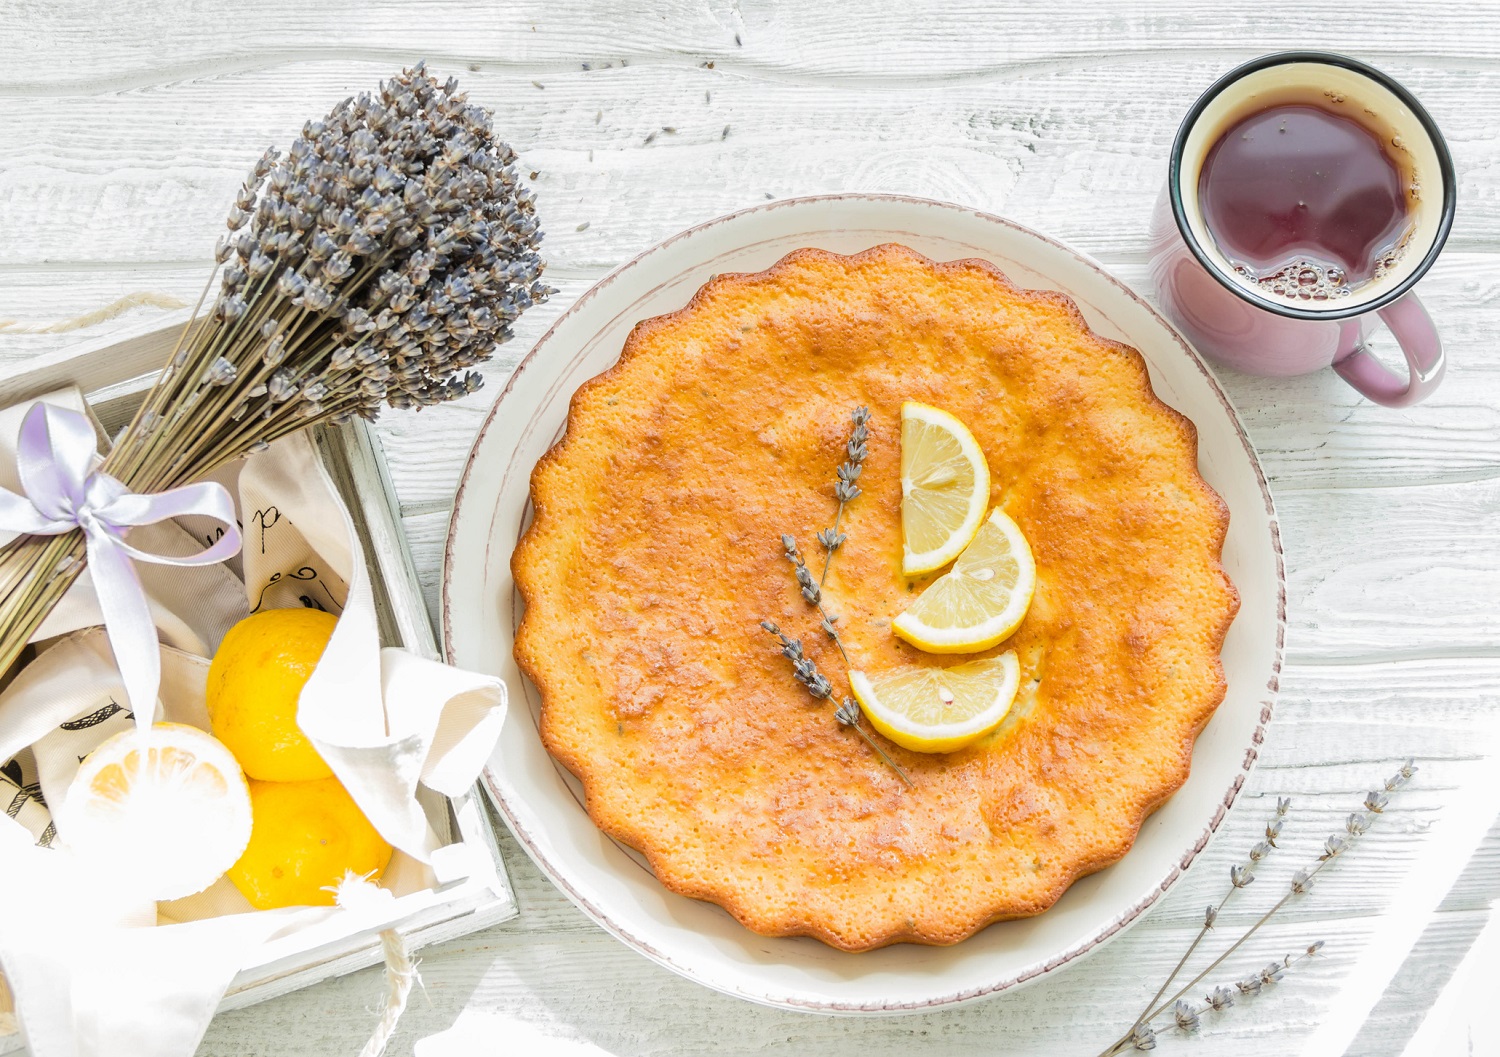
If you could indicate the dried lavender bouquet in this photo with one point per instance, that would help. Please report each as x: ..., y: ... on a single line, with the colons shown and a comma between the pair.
x: 385, y: 253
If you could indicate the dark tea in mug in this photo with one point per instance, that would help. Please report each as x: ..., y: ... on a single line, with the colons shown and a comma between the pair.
x: 1307, y: 194
x: 1310, y: 200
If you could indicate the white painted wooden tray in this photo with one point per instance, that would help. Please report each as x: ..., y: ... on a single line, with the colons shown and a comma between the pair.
x: 542, y: 803
x: 474, y: 891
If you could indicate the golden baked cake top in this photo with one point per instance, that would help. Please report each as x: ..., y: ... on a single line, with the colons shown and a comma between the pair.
x: 655, y: 551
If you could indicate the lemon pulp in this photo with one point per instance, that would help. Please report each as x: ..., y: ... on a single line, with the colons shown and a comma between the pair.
x: 161, y: 812
x: 982, y: 600
x: 939, y: 709
x: 945, y: 487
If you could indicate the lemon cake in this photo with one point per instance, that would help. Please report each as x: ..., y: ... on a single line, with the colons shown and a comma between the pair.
x: 655, y: 551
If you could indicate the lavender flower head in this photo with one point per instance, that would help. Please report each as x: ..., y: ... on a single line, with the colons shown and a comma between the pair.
x: 805, y: 582
x: 1272, y: 973
x: 1185, y: 1016
x: 803, y: 668
x: 1219, y: 999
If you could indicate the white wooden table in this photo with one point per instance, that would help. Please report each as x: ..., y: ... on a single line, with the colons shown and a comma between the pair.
x: 125, y: 126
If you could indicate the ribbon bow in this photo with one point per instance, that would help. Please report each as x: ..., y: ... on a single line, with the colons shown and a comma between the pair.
x: 57, y: 461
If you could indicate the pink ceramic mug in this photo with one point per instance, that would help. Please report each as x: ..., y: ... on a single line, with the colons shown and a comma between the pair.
x: 1233, y: 319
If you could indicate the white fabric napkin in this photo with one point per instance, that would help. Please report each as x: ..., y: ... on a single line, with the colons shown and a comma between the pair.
x: 95, y: 978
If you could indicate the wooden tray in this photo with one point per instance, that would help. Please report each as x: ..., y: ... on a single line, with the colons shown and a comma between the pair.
x: 474, y: 891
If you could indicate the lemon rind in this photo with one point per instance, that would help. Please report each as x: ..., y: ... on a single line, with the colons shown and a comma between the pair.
x: 912, y: 632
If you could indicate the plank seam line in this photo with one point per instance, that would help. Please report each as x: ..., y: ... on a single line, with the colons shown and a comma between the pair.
x: 1414, y: 655
x: 217, y: 67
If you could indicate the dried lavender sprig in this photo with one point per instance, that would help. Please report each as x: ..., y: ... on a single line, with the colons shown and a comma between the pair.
x: 845, y: 489
x: 806, y: 673
x: 1375, y: 803
x: 803, y: 669
x: 812, y: 593
x: 1239, y: 877
x: 1218, y: 1000
x: 1186, y: 1016
x: 848, y: 715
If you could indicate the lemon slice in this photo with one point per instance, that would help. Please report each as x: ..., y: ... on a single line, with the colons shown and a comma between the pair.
x: 161, y: 813
x: 981, y: 600
x: 945, y: 487
x: 939, y: 709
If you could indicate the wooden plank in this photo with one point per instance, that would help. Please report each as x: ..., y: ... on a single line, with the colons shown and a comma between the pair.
x: 558, y: 989
x: 1032, y: 148
x: 92, y: 47
x: 1392, y: 571
x: 1311, y: 433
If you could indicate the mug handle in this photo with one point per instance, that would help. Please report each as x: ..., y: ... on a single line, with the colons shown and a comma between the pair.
x: 1413, y: 330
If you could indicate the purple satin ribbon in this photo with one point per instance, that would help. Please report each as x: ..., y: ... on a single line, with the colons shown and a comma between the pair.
x: 58, y: 464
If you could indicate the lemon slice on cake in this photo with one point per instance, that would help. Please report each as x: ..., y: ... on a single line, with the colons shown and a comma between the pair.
x: 939, y: 709
x: 161, y: 813
x: 981, y: 600
x: 945, y: 487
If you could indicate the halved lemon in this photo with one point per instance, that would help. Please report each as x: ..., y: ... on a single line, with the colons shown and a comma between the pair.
x: 939, y: 709
x: 945, y: 487
x: 981, y: 600
x: 161, y: 813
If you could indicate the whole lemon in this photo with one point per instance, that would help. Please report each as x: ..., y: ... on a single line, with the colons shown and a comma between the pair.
x: 304, y: 837
x: 253, y: 686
